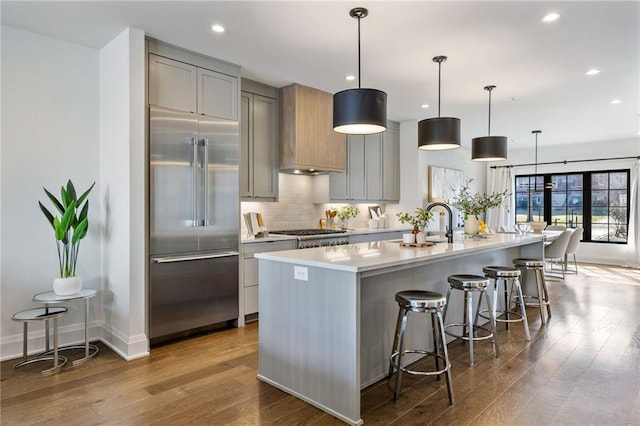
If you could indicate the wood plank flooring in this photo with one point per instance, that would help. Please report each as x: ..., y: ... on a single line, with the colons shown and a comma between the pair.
x: 583, y: 368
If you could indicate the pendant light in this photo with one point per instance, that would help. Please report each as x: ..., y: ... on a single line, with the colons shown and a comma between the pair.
x: 439, y: 133
x: 359, y: 111
x: 489, y: 148
x: 548, y: 185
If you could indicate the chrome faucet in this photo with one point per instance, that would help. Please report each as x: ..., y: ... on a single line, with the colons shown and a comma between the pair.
x: 449, y: 232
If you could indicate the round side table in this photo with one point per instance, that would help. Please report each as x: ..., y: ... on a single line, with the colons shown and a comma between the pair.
x: 41, y: 314
x: 51, y: 298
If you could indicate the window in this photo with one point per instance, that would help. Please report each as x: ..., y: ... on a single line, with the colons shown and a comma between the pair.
x: 596, y: 201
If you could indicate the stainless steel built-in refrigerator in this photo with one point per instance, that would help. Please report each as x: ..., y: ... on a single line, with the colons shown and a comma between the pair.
x: 193, y: 271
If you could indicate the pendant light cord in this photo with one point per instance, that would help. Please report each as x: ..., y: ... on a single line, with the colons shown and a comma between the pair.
x: 359, y: 76
x: 439, y: 83
x: 489, y: 129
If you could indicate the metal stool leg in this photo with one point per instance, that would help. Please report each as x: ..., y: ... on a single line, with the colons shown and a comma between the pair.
x: 523, y: 311
x: 546, y: 294
x: 492, y: 320
x: 469, y: 314
x: 395, y: 341
x: 400, y: 353
x: 443, y: 341
x: 436, y: 346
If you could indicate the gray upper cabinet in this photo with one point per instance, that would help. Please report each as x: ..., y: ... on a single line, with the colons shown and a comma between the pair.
x: 373, y: 168
x: 172, y: 84
x: 184, y: 87
x: 214, y: 92
x: 259, y: 143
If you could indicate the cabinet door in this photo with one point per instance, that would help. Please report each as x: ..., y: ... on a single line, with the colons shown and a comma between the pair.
x: 246, y: 151
x: 373, y: 166
x: 391, y: 164
x: 357, y: 184
x: 265, y: 147
x: 172, y: 84
x: 217, y: 94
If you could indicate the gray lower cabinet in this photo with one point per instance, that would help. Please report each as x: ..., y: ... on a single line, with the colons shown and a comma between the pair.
x: 259, y: 147
x: 373, y: 168
x: 185, y: 87
x: 250, y: 280
x: 374, y: 236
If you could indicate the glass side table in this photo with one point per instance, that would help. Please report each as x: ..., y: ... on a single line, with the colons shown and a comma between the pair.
x: 51, y: 298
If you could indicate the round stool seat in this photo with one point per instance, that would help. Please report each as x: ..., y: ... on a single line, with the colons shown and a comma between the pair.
x: 468, y: 282
x: 529, y: 263
x: 501, y: 272
x: 420, y: 299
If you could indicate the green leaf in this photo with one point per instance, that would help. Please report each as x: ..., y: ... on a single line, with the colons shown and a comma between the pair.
x: 84, y: 212
x: 69, y: 216
x: 84, y: 195
x: 71, y: 190
x: 55, y: 201
x: 66, y: 200
x: 58, y: 228
x: 80, y: 232
x: 46, y: 213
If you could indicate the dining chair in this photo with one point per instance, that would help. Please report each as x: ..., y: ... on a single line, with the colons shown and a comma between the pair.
x: 554, y: 252
x: 572, y: 247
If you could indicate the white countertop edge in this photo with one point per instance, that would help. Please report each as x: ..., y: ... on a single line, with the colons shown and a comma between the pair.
x: 291, y: 256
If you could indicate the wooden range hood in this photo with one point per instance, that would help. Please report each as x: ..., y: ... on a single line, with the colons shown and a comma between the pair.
x: 307, y: 142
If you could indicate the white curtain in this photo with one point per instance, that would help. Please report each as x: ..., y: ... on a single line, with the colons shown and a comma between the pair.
x: 633, y: 229
x: 499, y: 181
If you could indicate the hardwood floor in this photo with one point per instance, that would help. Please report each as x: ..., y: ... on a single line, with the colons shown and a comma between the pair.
x: 583, y: 368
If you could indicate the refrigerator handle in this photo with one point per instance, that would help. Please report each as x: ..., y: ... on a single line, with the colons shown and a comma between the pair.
x: 194, y: 144
x: 174, y: 259
x: 205, y: 192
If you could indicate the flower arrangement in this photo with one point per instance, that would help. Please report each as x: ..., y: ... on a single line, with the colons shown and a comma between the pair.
x: 419, y: 220
x: 70, y: 227
x: 347, y: 212
x: 474, y: 204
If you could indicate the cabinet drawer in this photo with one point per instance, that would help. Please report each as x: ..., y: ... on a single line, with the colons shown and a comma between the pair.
x: 249, y: 249
x: 250, y: 272
x: 251, y: 300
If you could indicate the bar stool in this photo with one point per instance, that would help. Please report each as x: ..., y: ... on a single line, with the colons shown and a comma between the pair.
x: 471, y: 284
x: 542, y: 299
x: 41, y: 314
x: 507, y: 275
x: 420, y: 302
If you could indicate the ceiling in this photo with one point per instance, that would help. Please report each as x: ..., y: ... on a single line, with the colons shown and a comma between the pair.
x: 539, y: 69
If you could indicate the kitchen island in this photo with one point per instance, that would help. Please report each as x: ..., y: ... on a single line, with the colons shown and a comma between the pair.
x: 327, y: 315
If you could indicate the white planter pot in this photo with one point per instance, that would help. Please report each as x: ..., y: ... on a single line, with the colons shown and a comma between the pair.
x: 67, y: 286
x: 471, y: 225
x: 421, y: 237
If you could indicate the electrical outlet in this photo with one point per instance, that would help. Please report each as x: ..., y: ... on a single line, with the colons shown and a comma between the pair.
x: 300, y: 273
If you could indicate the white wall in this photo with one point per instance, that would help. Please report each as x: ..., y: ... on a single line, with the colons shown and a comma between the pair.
x: 614, y: 254
x: 50, y: 133
x: 122, y: 190
x: 414, y: 165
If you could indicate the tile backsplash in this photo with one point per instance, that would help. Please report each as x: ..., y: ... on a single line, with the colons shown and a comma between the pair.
x: 298, y: 206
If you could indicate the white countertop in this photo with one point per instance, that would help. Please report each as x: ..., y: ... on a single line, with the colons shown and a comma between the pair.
x: 383, y: 254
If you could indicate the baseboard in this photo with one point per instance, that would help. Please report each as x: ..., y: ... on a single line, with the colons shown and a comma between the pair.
x: 128, y: 348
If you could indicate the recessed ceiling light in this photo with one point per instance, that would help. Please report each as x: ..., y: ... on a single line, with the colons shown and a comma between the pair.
x: 593, y: 71
x: 424, y: 106
x: 550, y: 17
x: 350, y: 77
x: 616, y: 101
x: 217, y: 28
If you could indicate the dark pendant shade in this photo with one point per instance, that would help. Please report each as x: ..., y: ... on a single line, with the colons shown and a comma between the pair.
x: 489, y: 148
x: 439, y: 133
x: 360, y: 111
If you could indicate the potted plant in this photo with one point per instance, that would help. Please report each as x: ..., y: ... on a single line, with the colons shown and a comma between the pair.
x: 472, y: 205
x: 420, y: 219
x: 69, y: 228
x: 346, y: 213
